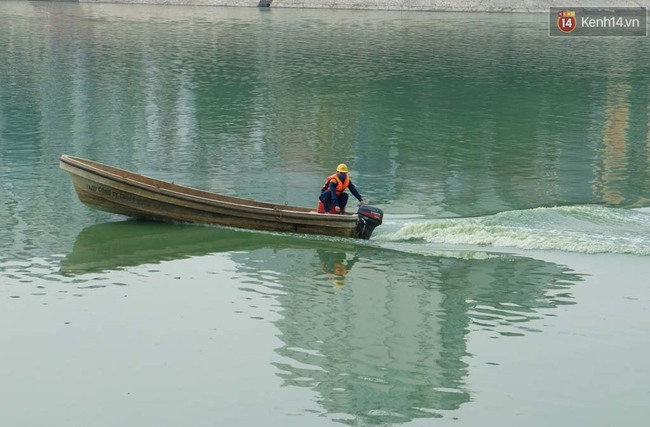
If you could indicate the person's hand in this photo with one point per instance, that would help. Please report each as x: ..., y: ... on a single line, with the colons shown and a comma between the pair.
x: 362, y: 203
x: 337, y: 209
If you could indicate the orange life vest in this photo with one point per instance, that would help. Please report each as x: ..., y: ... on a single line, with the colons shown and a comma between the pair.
x: 340, y: 185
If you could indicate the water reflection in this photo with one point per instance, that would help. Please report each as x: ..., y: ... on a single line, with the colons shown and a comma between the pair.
x: 614, y: 153
x: 241, y: 102
x: 336, y: 264
x: 390, y: 345
x: 117, y: 245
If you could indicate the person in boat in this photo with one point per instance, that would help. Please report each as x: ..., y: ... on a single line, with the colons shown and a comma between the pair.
x: 333, y: 197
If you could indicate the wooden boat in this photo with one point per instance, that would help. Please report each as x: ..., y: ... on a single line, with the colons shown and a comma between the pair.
x: 122, y: 192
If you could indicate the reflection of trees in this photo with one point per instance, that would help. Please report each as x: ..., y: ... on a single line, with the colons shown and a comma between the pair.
x: 389, y: 347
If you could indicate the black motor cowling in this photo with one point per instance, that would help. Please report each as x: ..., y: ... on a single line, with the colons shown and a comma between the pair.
x: 369, y: 218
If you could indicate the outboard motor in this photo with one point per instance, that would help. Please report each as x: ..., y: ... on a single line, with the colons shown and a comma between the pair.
x: 369, y: 218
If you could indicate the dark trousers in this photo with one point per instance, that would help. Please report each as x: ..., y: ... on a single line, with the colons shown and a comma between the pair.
x: 326, y: 198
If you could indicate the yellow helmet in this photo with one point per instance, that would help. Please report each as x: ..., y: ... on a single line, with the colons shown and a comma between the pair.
x: 342, y: 168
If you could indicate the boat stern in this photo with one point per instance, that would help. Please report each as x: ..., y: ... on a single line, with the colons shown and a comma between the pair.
x: 369, y: 217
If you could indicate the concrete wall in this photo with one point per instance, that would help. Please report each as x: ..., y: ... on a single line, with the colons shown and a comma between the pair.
x: 234, y: 3
x: 414, y: 5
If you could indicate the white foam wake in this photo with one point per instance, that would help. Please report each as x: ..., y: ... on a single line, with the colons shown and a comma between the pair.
x: 585, y: 229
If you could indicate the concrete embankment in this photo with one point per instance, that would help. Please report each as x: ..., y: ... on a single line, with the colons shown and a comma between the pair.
x: 412, y: 5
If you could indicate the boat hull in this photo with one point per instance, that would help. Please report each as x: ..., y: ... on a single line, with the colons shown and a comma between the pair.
x: 121, y: 192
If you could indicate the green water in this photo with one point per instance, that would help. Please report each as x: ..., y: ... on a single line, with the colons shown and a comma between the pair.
x: 507, y: 286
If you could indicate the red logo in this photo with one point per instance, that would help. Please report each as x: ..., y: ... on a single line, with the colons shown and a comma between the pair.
x: 566, y: 20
